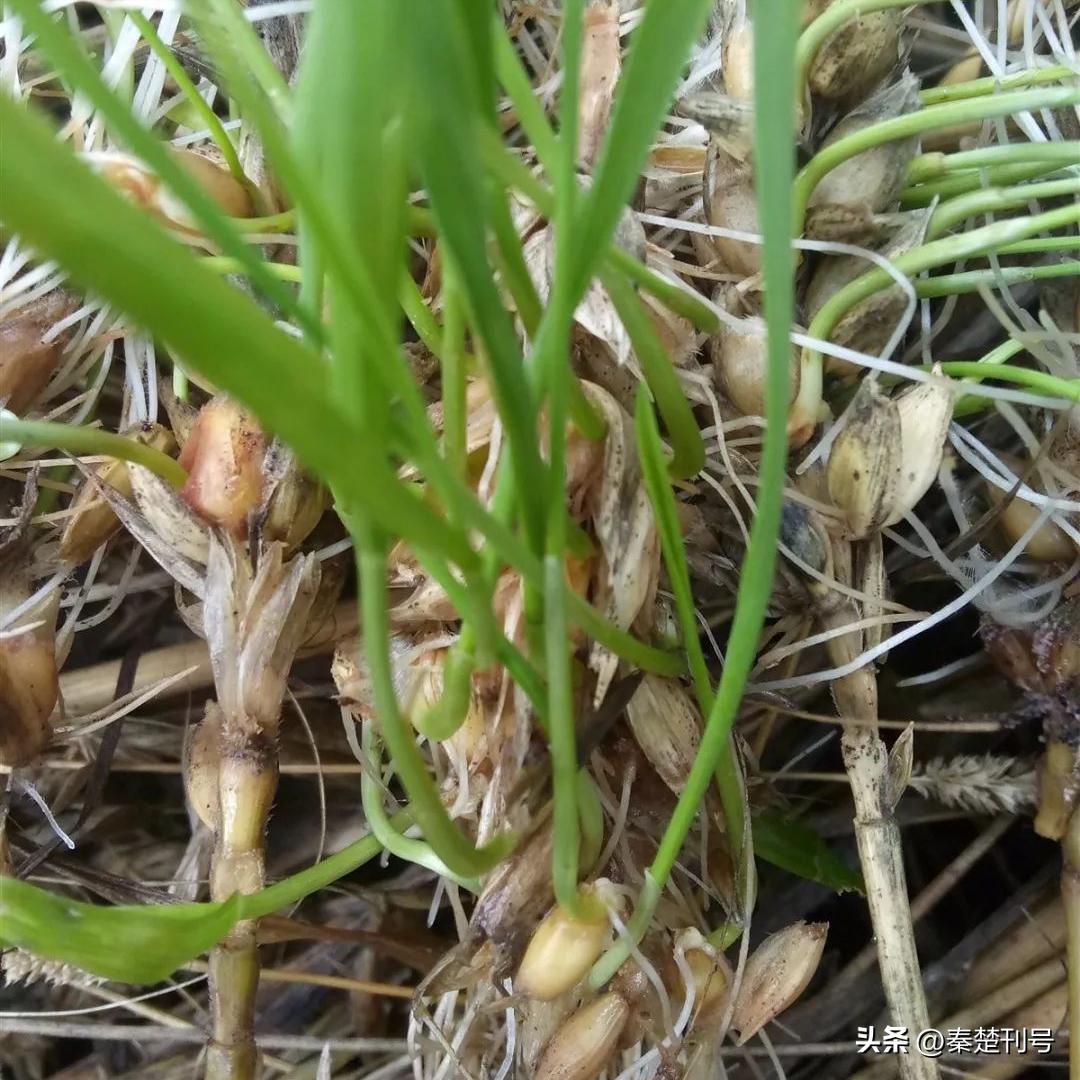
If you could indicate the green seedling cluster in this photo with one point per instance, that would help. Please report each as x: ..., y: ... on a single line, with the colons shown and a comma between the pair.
x: 384, y: 90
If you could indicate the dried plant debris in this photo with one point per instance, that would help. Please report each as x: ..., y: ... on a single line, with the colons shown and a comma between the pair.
x: 383, y: 485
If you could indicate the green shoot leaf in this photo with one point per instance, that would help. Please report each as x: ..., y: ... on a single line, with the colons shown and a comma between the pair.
x: 796, y: 848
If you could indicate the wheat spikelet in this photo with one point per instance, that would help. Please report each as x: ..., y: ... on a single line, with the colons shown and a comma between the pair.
x: 985, y: 783
x: 20, y: 966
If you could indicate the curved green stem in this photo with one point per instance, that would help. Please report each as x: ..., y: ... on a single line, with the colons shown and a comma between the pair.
x: 994, y: 84
x: 446, y: 840
x: 654, y: 473
x: 292, y: 890
x: 1040, y: 381
x: 676, y: 298
x: 622, y: 644
x: 902, y: 127
x: 688, y: 458
x: 933, y: 166
x: 970, y: 404
x: 371, y: 796
x: 975, y: 180
x: 285, y: 222
x: 226, y: 264
x: 970, y: 280
x: 88, y: 440
x: 444, y: 718
x: 419, y: 314
x: 993, y: 200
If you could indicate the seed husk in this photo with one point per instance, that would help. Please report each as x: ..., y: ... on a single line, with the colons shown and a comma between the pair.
x: 182, y: 415
x: 711, y: 976
x: 293, y: 501
x: 730, y: 202
x: 869, y: 325
x: 518, y: 892
x: 93, y: 521
x: 26, y: 361
x: 778, y: 971
x: 202, y: 767
x: 1050, y: 543
x: 601, y: 62
x: 1016, y: 15
x: 168, y: 515
x: 864, y: 465
x: 29, y: 683
x: 738, y: 66
x: 844, y: 203
x: 224, y: 460
x: 582, y: 1046
x: 1042, y: 659
x: 667, y: 728
x: 857, y: 56
x: 230, y: 195
x: 925, y: 414
x: 963, y: 70
x: 129, y: 175
x: 738, y: 355
x: 562, y: 949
